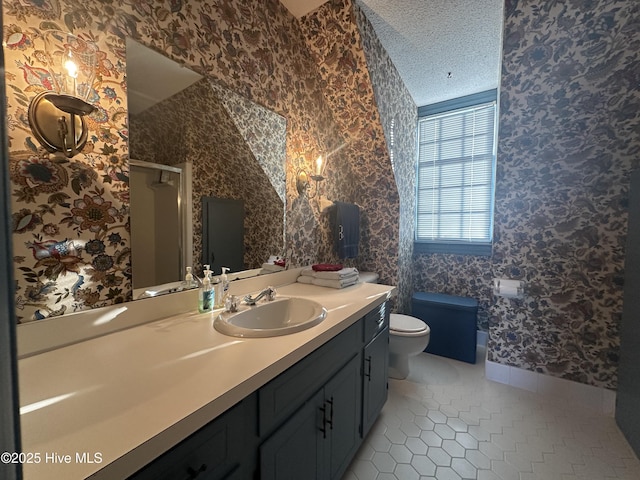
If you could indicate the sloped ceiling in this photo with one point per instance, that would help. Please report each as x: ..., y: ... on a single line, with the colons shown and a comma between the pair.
x: 443, y: 49
x: 150, y: 65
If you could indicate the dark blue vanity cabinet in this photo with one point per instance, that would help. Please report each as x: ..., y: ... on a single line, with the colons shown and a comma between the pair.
x: 321, y: 437
x: 220, y: 450
x: 340, y: 389
x: 375, y: 368
x: 313, y: 410
x: 307, y: 423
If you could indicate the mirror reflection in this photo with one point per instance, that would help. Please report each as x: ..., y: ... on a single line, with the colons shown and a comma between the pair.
x: 158, y: 225
x: 71, y: 217
x: 231, y: 153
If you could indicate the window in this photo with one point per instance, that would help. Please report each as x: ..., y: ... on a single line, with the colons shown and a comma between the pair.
x: 456, y: 176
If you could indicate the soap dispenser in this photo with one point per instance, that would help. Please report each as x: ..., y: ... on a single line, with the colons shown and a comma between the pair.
x: 206, y: 294
x: 188, y: 279
x: 224, y: 285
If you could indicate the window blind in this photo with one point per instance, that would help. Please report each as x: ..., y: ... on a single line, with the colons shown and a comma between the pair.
x: 456, y: 171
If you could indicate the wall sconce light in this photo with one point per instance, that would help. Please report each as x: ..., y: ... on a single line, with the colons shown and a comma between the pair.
x: 303, y: 183
x: 56, y: 116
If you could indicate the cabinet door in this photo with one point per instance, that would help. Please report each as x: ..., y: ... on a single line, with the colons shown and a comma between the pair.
x: 342, y: 405
x: 295, y: 451
x: 215, y: 452
x: 375, y: 371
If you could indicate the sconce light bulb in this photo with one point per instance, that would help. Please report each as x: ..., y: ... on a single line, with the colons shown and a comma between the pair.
x: 319, y: 165
x: 71, y: 68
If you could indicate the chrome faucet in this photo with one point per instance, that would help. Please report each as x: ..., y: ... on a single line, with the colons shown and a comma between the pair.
x: 268, y: 292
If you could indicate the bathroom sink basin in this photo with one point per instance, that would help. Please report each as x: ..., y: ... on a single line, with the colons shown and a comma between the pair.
x: 270, y: 319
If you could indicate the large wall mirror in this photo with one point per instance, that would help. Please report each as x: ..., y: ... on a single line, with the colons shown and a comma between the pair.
x: 230, y: 151
x: 190, y: 143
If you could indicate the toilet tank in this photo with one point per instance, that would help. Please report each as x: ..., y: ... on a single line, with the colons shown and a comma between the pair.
x: 453, y: 324
x: 368, y: 277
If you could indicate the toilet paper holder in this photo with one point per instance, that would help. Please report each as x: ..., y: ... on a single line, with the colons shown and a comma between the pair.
x: 504, y: 287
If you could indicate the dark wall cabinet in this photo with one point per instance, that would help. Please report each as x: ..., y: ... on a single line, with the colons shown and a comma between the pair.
x: 307, y: 423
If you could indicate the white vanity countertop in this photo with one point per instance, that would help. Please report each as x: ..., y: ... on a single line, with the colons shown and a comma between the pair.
x: 123, y: 399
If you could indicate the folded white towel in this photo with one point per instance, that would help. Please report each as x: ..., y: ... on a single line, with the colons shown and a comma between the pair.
x: 348, y: 272
x: 322, y: 282
x: 335, y: 283
x: 338, y: 274
x: 308, y: 272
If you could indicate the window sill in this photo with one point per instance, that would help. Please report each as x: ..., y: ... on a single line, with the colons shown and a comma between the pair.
x: 479, y: 249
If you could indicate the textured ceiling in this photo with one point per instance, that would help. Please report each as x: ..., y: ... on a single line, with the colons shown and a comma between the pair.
x: 427, y: 39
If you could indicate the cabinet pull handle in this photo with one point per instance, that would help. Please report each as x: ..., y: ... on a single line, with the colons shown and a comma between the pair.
x: 326, y: 420
x: 323, y: 408
x: 196, y: 473
x: 368, y: 374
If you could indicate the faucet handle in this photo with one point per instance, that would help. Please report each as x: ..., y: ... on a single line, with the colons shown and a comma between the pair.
x: 231, y: 304
x: 271, y: 294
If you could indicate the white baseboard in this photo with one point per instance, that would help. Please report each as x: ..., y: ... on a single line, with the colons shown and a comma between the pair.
x: 601, y: 400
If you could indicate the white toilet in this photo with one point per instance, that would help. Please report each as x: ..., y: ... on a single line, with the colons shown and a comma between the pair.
x: 407, y: 336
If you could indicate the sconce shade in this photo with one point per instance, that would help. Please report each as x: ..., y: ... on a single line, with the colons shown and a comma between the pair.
x: 73, y: 63
x: 55, y: 116
x: 318, y: 171
x: 303, y: 184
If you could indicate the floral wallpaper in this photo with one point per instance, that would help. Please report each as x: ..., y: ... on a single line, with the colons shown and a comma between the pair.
x: 200, y: 125
x: 336, y: 43
x: 569, y: 135
x: 569, y: 138
x: 265, y: 133
x: 70, y: 216
x: 399, y: 118
x: 255, y: 48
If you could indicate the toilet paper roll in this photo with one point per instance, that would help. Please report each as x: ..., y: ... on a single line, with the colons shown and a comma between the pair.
x: 504, y: 287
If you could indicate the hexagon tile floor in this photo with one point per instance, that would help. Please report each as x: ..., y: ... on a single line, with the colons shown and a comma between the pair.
x: 447, y: 422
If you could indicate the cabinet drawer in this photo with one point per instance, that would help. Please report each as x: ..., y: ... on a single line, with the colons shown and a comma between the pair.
x: 213, y: 452
x: 375, y: 321
x: 278, y: 399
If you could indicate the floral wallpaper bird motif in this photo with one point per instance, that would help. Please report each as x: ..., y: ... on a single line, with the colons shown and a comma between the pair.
x: 70, y: 245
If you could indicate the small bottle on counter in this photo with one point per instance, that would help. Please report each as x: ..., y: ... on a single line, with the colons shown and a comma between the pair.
x: 188, y: 279
x: 223, y: 288
x: 206, y: 294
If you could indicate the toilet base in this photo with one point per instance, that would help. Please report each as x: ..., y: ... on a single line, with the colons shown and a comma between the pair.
x: 398, y: 366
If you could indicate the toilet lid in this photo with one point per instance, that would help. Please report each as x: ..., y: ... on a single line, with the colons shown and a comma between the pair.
x: 407, y: 324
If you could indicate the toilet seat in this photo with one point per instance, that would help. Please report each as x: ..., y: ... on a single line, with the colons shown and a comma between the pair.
x: 407, y: 326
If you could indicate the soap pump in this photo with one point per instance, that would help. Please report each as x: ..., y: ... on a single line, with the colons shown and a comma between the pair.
x: 206, y: 294
x: 224, y: 283
x: 188, y: 278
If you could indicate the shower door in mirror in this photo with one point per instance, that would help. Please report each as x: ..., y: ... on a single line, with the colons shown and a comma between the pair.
x: 157, y: 222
